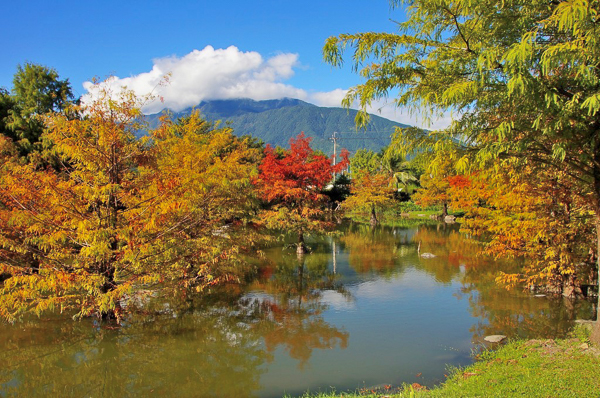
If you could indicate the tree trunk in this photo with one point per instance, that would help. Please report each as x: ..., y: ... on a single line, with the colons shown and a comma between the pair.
x: 301, y: 247
x: 109, y: 284
x: 300, y: 285
x: 373, y: 216
x: 595, y: 337
x: 444, y: 210
x: 107, y: 269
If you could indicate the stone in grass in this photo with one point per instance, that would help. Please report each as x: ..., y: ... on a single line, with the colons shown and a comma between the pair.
x: 495, y: 338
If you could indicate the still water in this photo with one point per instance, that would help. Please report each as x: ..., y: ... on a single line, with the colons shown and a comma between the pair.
x: 362, y: 310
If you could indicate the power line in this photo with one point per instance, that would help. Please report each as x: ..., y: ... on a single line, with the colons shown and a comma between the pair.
x: 356, y: 136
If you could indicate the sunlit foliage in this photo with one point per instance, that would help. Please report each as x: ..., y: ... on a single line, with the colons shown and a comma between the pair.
x: 527, y: 214
x: 435, y: 182
x: 370, y: 193
x: 292, y: 184
x: 521, y: 79
x: 121, y: 213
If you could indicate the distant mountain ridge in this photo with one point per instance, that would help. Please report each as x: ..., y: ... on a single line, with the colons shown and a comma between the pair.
x: 276, y: 121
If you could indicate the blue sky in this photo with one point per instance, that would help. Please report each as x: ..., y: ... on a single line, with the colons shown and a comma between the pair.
x: 217, y: 49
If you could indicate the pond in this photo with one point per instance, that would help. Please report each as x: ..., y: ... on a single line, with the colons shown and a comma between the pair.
x: 364, y: 309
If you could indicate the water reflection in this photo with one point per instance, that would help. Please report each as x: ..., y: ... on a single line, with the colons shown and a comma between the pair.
x: 295, y: 287
x: 179, y: 346
x: 497, y: 311
x: 184, y: 354
x: 379, y: 250
x: 362, y: 309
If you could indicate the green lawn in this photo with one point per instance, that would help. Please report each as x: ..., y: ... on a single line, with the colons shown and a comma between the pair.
x: 535, y: 368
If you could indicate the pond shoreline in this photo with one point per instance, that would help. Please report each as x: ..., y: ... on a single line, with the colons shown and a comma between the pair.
x: 363, y: 309
x: 547, y: 367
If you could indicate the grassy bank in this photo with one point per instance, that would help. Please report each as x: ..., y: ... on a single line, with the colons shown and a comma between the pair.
x: 534, y: 368
x: 401, y: 212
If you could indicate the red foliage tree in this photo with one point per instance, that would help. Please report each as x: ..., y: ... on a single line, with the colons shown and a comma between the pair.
x: 292, y: 184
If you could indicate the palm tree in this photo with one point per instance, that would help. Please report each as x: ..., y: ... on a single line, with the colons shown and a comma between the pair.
x: 403, y: 178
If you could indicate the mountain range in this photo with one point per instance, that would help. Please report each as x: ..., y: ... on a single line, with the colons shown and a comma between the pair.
x: 276, y: 121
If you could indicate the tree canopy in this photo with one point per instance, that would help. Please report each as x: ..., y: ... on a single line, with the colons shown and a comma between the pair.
x: 121, y: 213
x: 292, y: 183
x: 37, y: 90
x: 520, y: 77
x: 371, y: 192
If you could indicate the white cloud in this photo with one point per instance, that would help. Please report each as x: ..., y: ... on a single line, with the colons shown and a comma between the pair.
x: 337, y: 301
x: 210, y: 74
x: 328, y: 99
x: 402, y: 115
x: 382, y: 108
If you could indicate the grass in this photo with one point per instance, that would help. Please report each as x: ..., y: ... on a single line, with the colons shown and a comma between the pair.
x: 534, y: 368
x: 403, y: 214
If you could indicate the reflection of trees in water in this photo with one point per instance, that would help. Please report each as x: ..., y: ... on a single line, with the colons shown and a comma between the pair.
x: 176, y: 354
x: 302, y: 330
x: 300, y: 278
x: 451, y: 249
x: 184, y: 346
x: 517, y: 313
x: 294, y: 301
x: 218, y: 345
x: 513, y: 313
x: 376, y: 249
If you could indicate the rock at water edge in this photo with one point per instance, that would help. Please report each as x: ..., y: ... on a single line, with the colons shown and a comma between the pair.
x: 495, y: 338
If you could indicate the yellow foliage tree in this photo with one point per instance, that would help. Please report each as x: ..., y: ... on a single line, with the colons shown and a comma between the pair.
x: 434, y: 182
x: 538, y: 217
x: 122, y: 213
x: 370, y: 192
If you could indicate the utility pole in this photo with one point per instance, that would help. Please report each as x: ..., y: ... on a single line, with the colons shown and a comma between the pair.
x: 334, y: 138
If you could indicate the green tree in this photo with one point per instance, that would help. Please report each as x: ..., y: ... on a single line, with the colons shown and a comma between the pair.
x: 365, y: 161
x: 404, y: 180
x: 521, y: 77
x: 7, y: 104
x: 338, y: 191
x: 389, y: 162
x: 37, y: 90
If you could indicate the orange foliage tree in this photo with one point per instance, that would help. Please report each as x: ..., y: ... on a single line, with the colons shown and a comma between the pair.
x: 122, y: 213
x: 292, y: 185
x: 529, y: 214
x: 371, y: 192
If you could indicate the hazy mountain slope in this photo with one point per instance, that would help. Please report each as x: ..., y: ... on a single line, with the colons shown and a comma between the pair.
x: 276, y: 121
